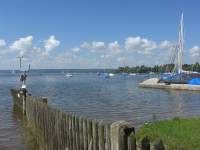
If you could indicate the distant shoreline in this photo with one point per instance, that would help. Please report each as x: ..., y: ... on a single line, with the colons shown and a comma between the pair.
x: 157, y: 68
x: 127, y: 69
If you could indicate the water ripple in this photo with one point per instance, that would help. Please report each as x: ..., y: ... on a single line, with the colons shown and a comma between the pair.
x: 86, y: 94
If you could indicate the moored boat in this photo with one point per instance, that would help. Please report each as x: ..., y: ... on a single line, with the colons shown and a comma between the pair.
x: 177, y: 78
x: 69, y: 75
x: 111, y: 74
x: 132, y: 74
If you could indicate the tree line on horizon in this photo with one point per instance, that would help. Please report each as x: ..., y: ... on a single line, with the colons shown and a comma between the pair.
x: 157, y: 68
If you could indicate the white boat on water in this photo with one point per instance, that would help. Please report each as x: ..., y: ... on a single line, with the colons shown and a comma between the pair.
x: 69, y: 75
x: 132, y: 74
x: 111, y: 74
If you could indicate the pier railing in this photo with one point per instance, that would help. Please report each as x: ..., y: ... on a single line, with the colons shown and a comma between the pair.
x: 54, y: 129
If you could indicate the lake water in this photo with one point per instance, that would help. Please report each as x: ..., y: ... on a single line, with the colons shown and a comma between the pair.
x: 117, y: 98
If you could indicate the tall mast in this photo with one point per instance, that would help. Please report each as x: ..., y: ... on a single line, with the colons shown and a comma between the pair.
x: 181, y: 45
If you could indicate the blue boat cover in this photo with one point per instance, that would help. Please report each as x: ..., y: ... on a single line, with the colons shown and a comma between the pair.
x: 194, y: 81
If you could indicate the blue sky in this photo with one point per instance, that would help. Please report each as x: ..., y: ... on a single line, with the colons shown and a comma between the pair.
x: 95, y: 33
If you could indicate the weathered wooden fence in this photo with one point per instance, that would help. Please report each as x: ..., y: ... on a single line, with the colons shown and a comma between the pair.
x: 58, y: 130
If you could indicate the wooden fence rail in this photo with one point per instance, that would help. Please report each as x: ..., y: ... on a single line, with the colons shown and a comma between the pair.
x: 54, y: 129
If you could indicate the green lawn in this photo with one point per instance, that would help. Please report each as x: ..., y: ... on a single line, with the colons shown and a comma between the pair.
x: 176, y: 133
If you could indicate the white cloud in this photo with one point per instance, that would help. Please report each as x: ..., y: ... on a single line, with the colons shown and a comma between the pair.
x: 148, y: 44
x: 65, y: 60
x: 51, y: 43
x: 93, y: 46
x: 195, y: 51
x: 3, y: 49
x: 133, y: 51
x: 114, y: 47
x: 45, y: 53
x: 75, y: 49
x: 37, y: 49
x: 22, y: 45
x: 140, y: 45
x: 165, y: 45
x: 120, y: 59
x: 106, y: 50
x: 2, y: 43
x: 111, y: 50
x: 132, y: 42
x: 105, y: 56
x: 85, y: 45
x: 98, y: 45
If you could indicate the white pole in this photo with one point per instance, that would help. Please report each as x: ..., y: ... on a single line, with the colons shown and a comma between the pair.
x: 181, y: 46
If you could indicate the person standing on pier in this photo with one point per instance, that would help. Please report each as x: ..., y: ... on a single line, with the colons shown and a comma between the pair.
x: 23, y: 78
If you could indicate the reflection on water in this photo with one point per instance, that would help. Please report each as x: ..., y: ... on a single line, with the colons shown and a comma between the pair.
x: 10, y: 135
x: 118, y: 98
x: 26, y: 132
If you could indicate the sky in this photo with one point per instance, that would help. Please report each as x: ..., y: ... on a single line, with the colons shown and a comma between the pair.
x: 96, y: 33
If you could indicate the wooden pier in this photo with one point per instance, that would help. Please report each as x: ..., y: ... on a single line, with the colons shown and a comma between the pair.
x: 54, y: 129
x: 153, y: 83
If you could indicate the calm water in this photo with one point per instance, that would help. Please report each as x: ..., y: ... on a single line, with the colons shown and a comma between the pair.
x: 118, y: 98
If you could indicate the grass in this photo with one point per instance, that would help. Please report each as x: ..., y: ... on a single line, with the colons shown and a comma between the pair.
x: 175, y: 134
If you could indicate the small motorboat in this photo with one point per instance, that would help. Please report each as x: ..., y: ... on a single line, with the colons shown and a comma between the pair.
x: 111, y: 74
x: 104, y: 75
x: 68, y: 75
x: 132, y: 74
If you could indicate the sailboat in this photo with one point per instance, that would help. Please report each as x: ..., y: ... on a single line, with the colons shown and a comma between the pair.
x: 180, y: 76
x: 177, y: 78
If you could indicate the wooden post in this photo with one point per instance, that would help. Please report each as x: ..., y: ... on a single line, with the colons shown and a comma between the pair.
x: 159, y: 145
x: 90, y: 145
x: 81, y: 133
x: 94, y: 135
x: 24, y: 101
x: 44, y: 100
x: 132, y: 142
x: 67, y: 129
x: 85, y: 138
x: 77, y: 132
x: 101, y: 136
x: 107, y: 140
x: 119, y: 134
x: 70, y: 132
x: 89, y: 132
x: 73, y: 133
x: 145, y: 144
